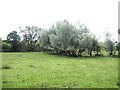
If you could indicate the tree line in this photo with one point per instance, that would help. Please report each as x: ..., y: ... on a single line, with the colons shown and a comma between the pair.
x: 62, y: 38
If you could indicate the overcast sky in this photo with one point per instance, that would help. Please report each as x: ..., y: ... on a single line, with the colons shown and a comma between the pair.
x: 98, y: 15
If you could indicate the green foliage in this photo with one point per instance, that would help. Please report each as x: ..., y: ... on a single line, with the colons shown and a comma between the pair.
x: 109, y: 44
x: 118, y: 46
x: 66, y: 39
x: 13, y: 38
x: 23, y: 47
x: 62, y: 38
x: 6, y: 46
x: 44, y: 40
x: 30, y: 36
x: 118, y: 49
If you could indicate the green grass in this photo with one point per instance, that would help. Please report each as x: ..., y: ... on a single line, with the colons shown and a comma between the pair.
x: 40, y: 70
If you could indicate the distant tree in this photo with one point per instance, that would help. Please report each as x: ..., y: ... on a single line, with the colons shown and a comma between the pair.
x: 60, y: 37
x: 44, y: 40
x: 109, y: 43
x: 98, y: 48
x: 31, y: 36
x: 78, y: 40
x: 6, y: 47
x: 13, y: 38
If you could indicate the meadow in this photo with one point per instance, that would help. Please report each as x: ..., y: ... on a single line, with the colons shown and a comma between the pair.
x: 42, y: 70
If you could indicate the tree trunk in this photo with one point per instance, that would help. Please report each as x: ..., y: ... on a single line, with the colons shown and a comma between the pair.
x: 111, y: 53
x: 91, y: 53
x: 97, y: 52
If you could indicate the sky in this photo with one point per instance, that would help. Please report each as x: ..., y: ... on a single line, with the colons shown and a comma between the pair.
x: 99, y: 16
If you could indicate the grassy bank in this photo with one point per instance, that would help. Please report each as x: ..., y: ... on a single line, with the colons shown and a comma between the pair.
x: 37, y: 70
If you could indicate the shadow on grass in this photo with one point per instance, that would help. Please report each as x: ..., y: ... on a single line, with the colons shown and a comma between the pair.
x: 6, y: 67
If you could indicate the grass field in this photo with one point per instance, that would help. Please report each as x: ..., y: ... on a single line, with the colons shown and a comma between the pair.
x: 39, y: 70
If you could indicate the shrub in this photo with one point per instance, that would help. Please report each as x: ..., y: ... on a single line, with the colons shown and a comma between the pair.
x: 6, y: 46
